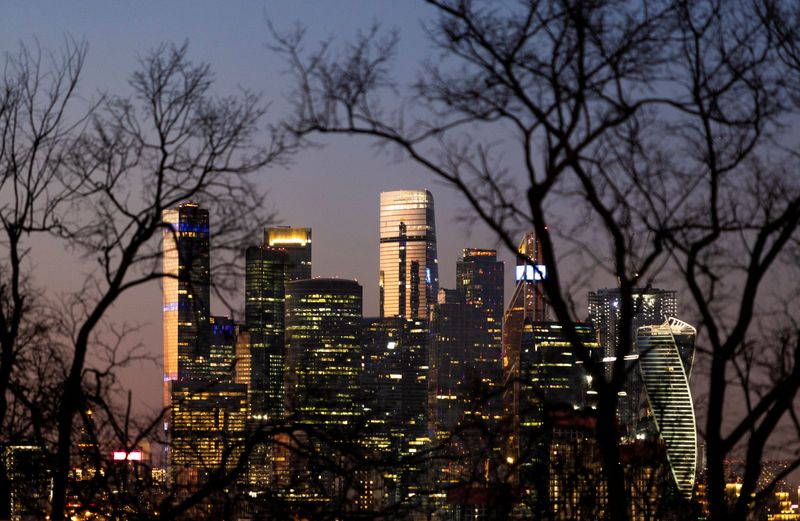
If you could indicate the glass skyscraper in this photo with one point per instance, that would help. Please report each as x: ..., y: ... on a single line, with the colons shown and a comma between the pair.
x: 665, y: 356
x: 323, y: 350
x: 186, y: 293
x: 409, y: 274
x: 266, y: 274
x: 296, y: 242
x: 480, y: 279
x: 527, y: 306
x: 323, y: 399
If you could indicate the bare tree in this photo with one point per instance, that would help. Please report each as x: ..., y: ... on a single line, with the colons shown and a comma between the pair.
x: 95, y: 179
x: 38, y: 91
x: 645, y: 136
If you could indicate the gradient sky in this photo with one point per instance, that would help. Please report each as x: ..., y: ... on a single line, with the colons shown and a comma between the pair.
x: 334, y: 190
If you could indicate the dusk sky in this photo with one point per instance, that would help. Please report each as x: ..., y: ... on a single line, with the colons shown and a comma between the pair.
x: 334, y: 190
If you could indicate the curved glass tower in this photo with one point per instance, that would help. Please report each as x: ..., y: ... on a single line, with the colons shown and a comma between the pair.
x: 409, y: 276
x: 665, y: 357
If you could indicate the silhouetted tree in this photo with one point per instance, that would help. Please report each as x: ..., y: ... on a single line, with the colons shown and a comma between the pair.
x: 94, y: 179
x: 644, y: 140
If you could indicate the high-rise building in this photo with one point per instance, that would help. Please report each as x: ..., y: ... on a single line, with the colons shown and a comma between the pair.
x: 208, y: 427
x: 665, y: 356
x: 323, y: 346
x: 323, y: 362
x: 409, y: 274
x: 186, y: 293
x: 395, y: 385
x: 551, y: 380
x: 266, y: 274
x: 527, y: 306
x: 27, y: 475
x: 480, y: 279
x: 450, y: 361
x: 520, y: 407
x: 651, y: 306
x: 222, y: 357
x: 296, y: 242
x: 552, y: 371
x: 415, y: 356
x: 381, y: 382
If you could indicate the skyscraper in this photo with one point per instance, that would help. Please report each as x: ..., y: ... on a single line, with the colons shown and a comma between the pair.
x: 186, y: 293
x: 450, y: 361
x: 665, y: 355
x: 651, y: 306
x: 480, y: 279
x: 266, y: 273
x: 409, y: 274
x: 552, y: 369
x: 296, y: 242
x: 323, y: 362
x: 222, y: 357
x: 395, y: 384
x: 207, y: 412
x: 381, y: 382
x: 323, y: 345
x: 527, y: 306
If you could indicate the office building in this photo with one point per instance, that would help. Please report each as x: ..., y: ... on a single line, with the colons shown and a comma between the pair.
x: 323, y: 362
x: 186, y: 293
x: 28, y: 478
x: 222, y: 345
x: 382, y: 382
x: 266, y: 274
x: 296, y: 242
x: 395, y: 384
x: 665, y: 354
x: 450, y: 362
x: 187, y: 303
x: 323, y: 346
x: 409, y: 274
x: 553, y: 370
x: 526, y: 307
x: 480, y: 279
x: 208, y: 428
x: 651, y: 306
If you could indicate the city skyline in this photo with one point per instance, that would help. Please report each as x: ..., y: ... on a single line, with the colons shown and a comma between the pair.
x: 163, y: 167
x: 335, y: 379
x: 317, y: 190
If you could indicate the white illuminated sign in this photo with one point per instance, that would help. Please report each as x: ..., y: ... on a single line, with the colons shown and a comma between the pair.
x: 135, y: 455
x: 528, y: 272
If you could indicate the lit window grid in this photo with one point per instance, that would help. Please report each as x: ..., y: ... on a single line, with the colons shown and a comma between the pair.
x: 323, y: 352
x: 667, y: 386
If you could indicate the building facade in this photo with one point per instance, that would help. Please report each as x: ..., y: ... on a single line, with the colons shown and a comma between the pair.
x: 296, y: 242
x: 323, y: 362
x: 527, y: 306
x: 409, y: 273
x: 665, y: 356
x: 221, y: 366
x: 480, y: 279
x: 323, y: 345
x: 266, y: 274
x: 186, y: 293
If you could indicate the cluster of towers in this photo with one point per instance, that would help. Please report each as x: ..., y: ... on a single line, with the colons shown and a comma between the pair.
x: 433, y: 361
